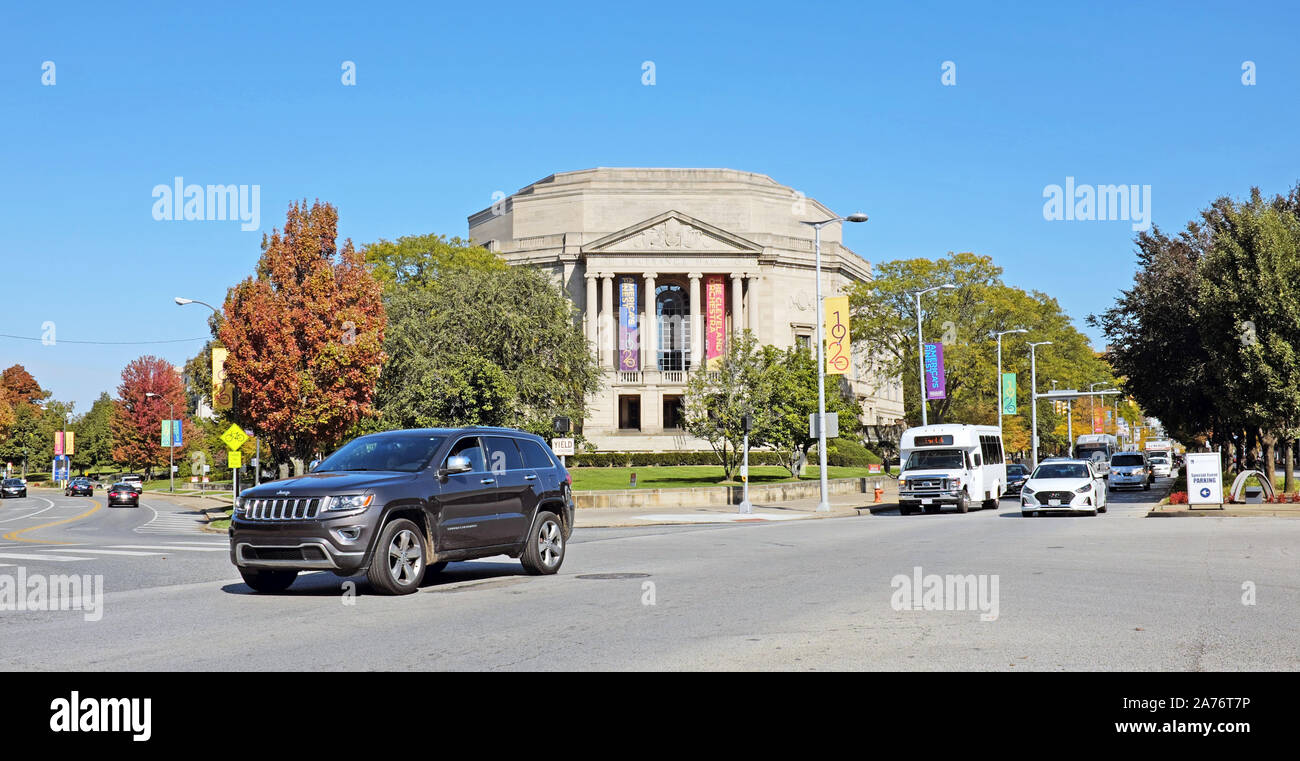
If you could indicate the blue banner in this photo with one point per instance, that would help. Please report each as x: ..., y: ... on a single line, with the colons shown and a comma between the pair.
x: 936, y: 385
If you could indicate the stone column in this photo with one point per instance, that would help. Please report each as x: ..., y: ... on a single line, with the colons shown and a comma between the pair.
x: 592, y: 313
x: 608, y: 320
x: 737, y: 306
x: 649, y: 336
x: 751, y: 322
x: 697, y: 323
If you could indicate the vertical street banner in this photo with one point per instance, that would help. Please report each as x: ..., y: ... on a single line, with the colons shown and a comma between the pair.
x: 715, y: 312
x: 222, y: 396
x: 1008, y: 393
x: 1098, y: 421
x: 69, y: 443
x: 838, y: 347
x: 166, y: 433
x: 936, y: 385
x: 629, y: 355
x: 58, y: 443
x: 177, y: 439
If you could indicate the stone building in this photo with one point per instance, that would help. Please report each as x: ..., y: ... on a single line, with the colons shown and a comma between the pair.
x: 665, y: 265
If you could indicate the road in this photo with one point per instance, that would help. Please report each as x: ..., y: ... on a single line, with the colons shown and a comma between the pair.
x: 1113, y: 592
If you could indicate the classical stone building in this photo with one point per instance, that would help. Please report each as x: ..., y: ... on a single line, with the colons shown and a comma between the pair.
x: 665, y: 265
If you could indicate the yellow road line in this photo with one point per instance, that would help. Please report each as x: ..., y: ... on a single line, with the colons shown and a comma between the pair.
x: 13, y: 535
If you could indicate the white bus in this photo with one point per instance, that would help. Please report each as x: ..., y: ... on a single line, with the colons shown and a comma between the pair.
x: 951, y: 465
x: 1097, y: 447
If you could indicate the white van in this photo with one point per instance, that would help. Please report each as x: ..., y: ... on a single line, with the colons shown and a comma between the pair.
x: 1098, y: 448
x: 951, y: 465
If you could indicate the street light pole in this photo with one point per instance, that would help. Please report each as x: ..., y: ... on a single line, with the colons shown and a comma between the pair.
x: 234, y: 473
x: 1033, y: 394
x: 920, y: 345
x: 171, y: 444
x: 824, y: 505
x: 1003, y: 333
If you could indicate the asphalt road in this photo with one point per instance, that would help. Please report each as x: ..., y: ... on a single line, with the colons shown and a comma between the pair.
x: 1115, y: 591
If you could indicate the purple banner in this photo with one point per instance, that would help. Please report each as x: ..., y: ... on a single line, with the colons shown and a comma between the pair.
x: 936, y: 386
x: 628, y: 343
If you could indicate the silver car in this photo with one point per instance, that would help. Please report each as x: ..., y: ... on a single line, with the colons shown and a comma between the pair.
x: 1129, y: 470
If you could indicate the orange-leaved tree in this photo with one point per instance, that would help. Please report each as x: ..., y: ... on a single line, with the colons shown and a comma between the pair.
x: 305, y: 337
x: 137, y: 416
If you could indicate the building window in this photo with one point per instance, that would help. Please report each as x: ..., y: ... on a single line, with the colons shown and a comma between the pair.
x: 803, y: 341
x: 674, y: 340
x: 673, y: 412
x: 629, y: 412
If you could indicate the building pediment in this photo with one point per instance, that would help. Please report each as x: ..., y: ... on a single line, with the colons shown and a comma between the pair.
x: 672, y: 231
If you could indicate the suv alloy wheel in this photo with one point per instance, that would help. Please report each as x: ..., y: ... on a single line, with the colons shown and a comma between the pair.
x: 544, y: 550
x: 397, y: 567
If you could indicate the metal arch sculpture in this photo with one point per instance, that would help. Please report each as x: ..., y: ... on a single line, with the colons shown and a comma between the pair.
x: 1239, y: 485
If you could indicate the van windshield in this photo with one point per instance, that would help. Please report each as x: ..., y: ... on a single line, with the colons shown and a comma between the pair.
x: 939, y: 459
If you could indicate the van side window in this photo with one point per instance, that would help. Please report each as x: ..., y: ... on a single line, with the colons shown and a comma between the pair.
x: 503, y: 454
x: 471, y: 448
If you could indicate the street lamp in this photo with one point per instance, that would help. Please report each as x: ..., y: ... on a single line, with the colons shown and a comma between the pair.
x: 823, y: 506
x: 1003, y: 333
x: 920, y: 348
x: 171, y: 445
x: 1033, y: 393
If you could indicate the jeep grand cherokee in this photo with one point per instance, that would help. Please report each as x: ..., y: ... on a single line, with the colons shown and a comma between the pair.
x: 400, y: 504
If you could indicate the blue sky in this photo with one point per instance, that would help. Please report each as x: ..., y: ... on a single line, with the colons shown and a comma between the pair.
x: 841, y: 101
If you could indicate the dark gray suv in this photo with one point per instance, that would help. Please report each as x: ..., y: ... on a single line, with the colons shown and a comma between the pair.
x: 400, y: 504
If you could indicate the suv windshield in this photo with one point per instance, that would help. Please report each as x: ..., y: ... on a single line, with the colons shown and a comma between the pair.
x: 1061, y: 470
x: 1126, y: 460
x: 947, y: 459
x: 399, y: 453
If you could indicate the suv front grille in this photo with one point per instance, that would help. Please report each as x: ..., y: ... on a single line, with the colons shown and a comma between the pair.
x: 284, y: 553
x: 289, y: 509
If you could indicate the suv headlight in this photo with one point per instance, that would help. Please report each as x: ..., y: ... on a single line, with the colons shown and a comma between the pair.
x: 348, y: 502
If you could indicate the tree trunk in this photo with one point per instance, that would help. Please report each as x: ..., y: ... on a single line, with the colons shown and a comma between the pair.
x: 1252, y: 446
x: 1269, y: 440
x: 1288, y: 472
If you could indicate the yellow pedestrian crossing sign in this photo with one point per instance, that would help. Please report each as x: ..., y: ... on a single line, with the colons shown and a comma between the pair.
x: 234, y: 437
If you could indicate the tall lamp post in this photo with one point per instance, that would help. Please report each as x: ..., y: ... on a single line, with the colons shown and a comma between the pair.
x: 1003, y: 333
x: 182, y: 301
x: 171, y: 445
x: 823, y: 506
x: 1033, y: 393
x: 920, y: 346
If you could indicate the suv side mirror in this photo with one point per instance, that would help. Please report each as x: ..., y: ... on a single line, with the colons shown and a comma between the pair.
x: 455, y: 464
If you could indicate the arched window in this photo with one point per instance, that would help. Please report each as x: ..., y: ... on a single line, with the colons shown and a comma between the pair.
x: 673, y: 308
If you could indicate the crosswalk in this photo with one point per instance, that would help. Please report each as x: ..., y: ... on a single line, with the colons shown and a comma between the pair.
x: 86, y: 552
x: 172, y: 523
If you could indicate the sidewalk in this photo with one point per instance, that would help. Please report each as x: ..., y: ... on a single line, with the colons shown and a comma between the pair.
x: 841, y: 505
x: 1249, y: 510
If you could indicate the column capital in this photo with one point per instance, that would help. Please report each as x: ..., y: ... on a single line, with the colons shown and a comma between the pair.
x: 649, y: 275
x: 695, y: 275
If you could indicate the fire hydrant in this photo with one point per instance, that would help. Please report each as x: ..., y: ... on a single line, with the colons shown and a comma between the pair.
x: 880, y: 493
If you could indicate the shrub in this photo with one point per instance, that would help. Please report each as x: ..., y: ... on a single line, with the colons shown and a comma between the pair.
x: 1178, y: 498
x: 664, y: 459
x: 846, y: 453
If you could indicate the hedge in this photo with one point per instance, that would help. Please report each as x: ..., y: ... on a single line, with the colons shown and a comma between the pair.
x: 846, y: 453
x: 651, y: 459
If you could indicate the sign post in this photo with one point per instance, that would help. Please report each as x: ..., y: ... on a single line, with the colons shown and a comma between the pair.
x: 1204, y: 479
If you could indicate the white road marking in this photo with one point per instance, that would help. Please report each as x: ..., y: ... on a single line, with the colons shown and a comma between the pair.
x: 170, y: 547
x: 58, y: 558
x: 85, y: 551
x: 222, y: 544
x: 169, y: 523
x: 38, y: 512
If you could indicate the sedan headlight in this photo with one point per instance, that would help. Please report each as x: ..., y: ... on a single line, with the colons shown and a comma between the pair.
x: 1083, y: 489
x: 348, y: 502
x: 1027, y: 491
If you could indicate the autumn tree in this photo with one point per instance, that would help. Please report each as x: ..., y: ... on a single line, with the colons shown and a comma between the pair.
x: 137, y: 416
x: 305, y: 335
x: 94, y: 442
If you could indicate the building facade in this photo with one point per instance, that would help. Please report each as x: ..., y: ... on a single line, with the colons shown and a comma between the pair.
x: 665, y: 266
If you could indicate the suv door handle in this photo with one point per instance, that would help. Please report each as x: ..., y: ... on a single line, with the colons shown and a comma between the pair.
x: 531, y: 477
x: 488, y: 481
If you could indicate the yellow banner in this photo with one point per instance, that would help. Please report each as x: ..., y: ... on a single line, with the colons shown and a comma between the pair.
x: 838, y: 349
x: 221, y: 393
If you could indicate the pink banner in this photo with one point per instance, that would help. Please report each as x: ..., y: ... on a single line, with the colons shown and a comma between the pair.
x: 715, y: 311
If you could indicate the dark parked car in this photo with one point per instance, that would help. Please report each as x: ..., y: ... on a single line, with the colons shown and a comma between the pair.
x: 13, y: 487
x: 1016, y: 477
x: 396, y: 505
x: 123, y: 494
x: 80, y: 487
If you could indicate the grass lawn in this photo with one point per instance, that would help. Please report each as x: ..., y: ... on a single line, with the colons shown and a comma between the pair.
x: 683, y: 476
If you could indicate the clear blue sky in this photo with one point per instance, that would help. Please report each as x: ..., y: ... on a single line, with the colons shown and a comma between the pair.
x: 840, y: 101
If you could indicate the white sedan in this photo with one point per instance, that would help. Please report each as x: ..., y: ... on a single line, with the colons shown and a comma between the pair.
x: 1063, y: 486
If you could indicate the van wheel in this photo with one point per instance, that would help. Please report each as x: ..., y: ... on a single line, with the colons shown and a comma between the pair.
x: 963, y: 503
x: 398, y: 563
x: 544, y: 549
x: 268, y: 581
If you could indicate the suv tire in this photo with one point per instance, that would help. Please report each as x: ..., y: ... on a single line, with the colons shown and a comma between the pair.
x: 397, y: 566
x: 544, y: 547
x: 268, y: 581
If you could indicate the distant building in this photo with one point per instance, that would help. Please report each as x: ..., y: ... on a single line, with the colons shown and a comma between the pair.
x: 665, y: 266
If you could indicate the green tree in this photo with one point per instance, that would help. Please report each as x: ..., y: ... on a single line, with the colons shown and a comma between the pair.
x: 483, y: 344
x: 793, y: 397
x: 716, y: 402
x: 419, y: 260
x: 95, y: 435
